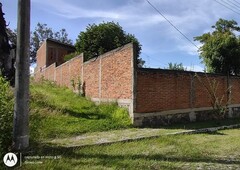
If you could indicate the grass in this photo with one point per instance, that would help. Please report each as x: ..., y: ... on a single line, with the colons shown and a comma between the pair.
x: 58, y: 112
x: 199, y: 151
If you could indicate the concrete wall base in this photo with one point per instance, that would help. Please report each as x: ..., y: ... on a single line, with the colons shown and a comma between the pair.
x: 182, y: 116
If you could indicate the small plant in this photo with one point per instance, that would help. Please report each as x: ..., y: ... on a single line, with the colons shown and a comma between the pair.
x: 73, y: 84
x: 78, y: 86
x: 217, y: 102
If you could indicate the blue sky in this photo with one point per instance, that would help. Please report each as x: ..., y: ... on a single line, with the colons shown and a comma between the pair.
x: 161, y: 43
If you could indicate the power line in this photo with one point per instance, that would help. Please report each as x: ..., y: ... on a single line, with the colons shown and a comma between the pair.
x: 236, y: 2
x: 152, y: 58
x: 227, y: 7
x: 171, y: 24
x: 237, y: 5
x: 232, y: 6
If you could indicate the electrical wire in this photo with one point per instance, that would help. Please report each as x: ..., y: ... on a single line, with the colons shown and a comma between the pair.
x: 237, y: 5
x: 227, y: 7
x: 230, y: 5
x: 171, y: 24
x: 236, y: 2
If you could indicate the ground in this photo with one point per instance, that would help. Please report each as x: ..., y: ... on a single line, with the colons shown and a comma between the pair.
x: 69, y: 132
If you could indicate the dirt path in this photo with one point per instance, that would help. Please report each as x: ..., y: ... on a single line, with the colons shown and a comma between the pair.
x: 114, y: 136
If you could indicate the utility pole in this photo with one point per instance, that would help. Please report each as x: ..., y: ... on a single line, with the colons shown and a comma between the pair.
x: 21, y: 107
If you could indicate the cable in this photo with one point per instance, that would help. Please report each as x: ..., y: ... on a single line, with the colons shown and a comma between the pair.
x: 236, y: 2
x: 232, y: 6
x: 227, y: 7
x: 238, y: 6
x: 152, y: 58
x: 171, y: 24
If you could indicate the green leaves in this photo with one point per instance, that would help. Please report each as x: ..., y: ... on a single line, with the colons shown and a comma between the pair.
x: 176, y: 66
x: 220, y: 51
x: 98, y: 39
x: 6, y: 116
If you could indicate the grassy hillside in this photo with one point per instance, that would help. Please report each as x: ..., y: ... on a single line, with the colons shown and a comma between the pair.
x: 58, y: 112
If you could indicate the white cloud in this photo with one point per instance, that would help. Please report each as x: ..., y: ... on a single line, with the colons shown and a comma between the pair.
x: 193, y: 18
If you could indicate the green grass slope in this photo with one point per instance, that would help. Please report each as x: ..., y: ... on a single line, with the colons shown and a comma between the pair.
x: 58, y: 112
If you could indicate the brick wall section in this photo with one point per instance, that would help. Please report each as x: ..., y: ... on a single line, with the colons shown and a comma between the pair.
x: 91, y: 78
x: 108, y: 76
x: 202, y: 97
x: 159, y: 90
x: 116, y: 75
x: 41, y: 57
x: 162, y: 90
x: 50, y: 72
x: 58, y: 75
x: 56, y: 52
x: 235, y: 91
x: 68, y: 72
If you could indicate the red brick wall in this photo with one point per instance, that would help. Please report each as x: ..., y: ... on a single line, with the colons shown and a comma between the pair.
x: 116, y: 75
x: 161, y: 90
x: 235, y: 90
x: 202, y: 97
x: 158, y: 91
x: 41, y: 57
x: 109, y: 76
x: 50, y: 72
x: 91, y: 78
x: 56, y: 52
x: 68, y: 72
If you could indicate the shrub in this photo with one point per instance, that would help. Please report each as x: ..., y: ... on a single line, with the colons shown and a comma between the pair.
x: 70, y: 56
x: 6, y: 116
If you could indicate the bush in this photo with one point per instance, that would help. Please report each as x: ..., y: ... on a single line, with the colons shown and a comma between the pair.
x: 70, y: 56
x: 6, y: 116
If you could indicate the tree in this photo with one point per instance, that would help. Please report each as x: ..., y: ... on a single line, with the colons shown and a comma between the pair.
x: 6, y: 68
x: 175, y: 66
x: 220, y: 51
x: 41, y: 33
x: 98, y: 39
x: 12, y: 37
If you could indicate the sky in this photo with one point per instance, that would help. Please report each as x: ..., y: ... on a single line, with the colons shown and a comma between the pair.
x: 161, y: 43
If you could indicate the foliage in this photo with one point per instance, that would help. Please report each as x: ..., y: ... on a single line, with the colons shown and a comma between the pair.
x: 61, y: 113
x: 98, y: 39
x: 6, y: 116
x: 175, y: 66
x: 12, y: 36
x: 41, y: 33
x: 70, y: 56
x: 220, y: 51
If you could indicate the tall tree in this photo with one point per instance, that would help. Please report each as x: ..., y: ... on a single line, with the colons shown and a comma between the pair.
x: 220, y: 51
x: 98, y: 39
x: 6, y: 68
x: 41, y: 33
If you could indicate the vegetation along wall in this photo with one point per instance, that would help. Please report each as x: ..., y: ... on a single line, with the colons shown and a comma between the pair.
x: 106, y: 78
x: 153, y: 96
